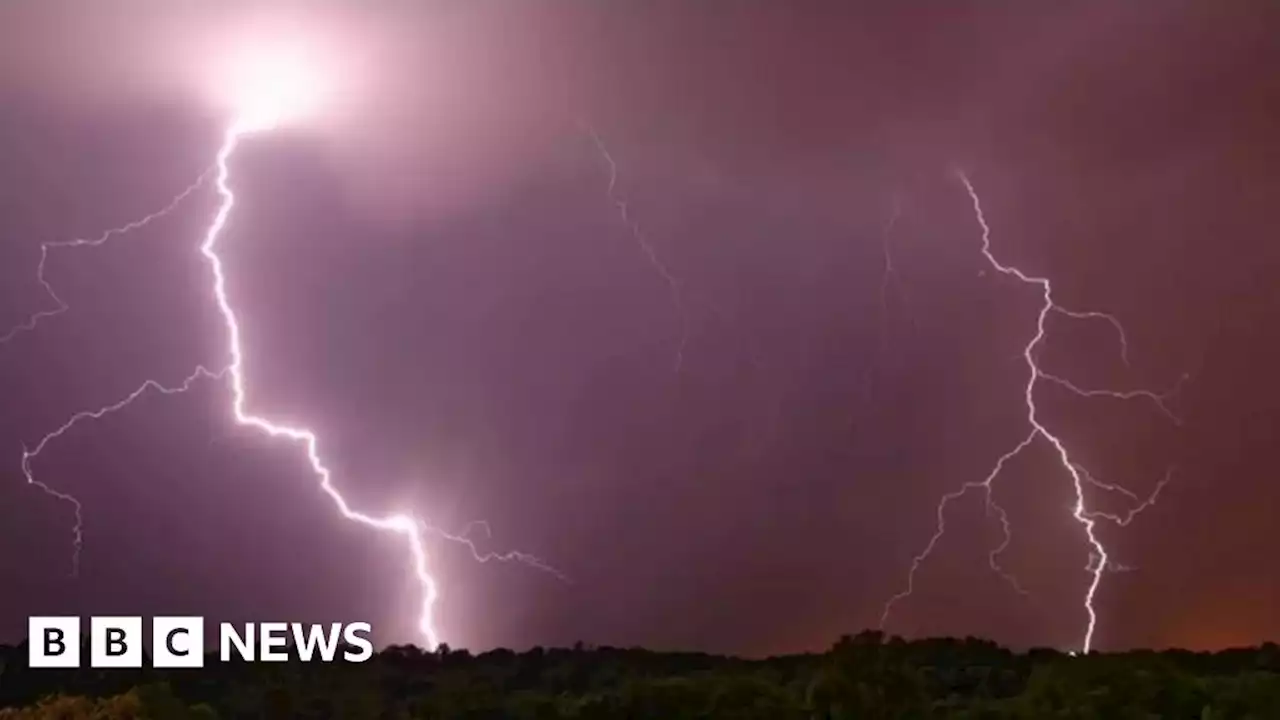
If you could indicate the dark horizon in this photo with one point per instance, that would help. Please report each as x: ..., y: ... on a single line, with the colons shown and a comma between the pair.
x: 434, y: 276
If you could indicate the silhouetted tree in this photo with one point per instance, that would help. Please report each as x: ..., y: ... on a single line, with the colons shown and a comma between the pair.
x: 864, y: 676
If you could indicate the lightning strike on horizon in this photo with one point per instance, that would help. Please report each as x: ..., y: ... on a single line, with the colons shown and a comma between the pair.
x: 642, y: 240
x: 249, y: 121
x: 34, y: 320
x: 399, y: 523
x: 1099, y: 559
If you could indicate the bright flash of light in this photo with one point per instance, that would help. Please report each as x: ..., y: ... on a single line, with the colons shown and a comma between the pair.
x: 278, y: 92
x: 1099, y: 559
x: 268, y: 85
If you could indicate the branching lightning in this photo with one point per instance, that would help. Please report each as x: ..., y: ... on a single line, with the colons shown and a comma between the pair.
x: 464, y: 538
x: 402, y: 524
x: 31, y: 454
x: 1099, y: 559
x: 264, y: 115
x: 1140, y: 503
x: 645, y: 245
x: 261, y: 116
x: 60, y: 305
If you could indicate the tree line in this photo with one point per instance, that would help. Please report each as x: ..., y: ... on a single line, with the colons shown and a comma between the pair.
x: 864, y: 677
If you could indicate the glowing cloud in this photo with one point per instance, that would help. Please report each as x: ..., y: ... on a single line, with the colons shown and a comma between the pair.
x: 280, y: 79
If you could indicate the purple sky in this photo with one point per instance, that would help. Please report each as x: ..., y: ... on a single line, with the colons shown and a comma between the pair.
x: 435, y: 279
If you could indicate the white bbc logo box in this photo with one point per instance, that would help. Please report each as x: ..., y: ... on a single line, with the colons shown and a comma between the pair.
x: 178, y: 642
x: 115, y: 642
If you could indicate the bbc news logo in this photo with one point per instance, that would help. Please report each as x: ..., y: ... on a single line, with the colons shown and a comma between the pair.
x: 178, y: 642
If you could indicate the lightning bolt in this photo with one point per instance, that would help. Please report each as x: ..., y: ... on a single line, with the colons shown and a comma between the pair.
x: 28, y: 455
x: 643, y: 242
x: 464, y: 538
x: 1141, y: 503
x: 889, y: 278
x: 889, y: 273
x: 401, y: 524
x: 1099, y: 559
x: 60, y: 305
x: 411, y: 529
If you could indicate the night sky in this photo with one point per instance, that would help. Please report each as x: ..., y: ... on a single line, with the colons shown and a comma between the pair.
x: 434, y: 277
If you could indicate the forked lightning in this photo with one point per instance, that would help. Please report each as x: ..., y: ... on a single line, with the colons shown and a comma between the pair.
x: 259, y: 116
x: 1099, y: 560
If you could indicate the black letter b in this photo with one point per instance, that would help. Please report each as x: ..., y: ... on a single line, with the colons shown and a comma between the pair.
x: 54, y: 637
x: 115, y: 642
